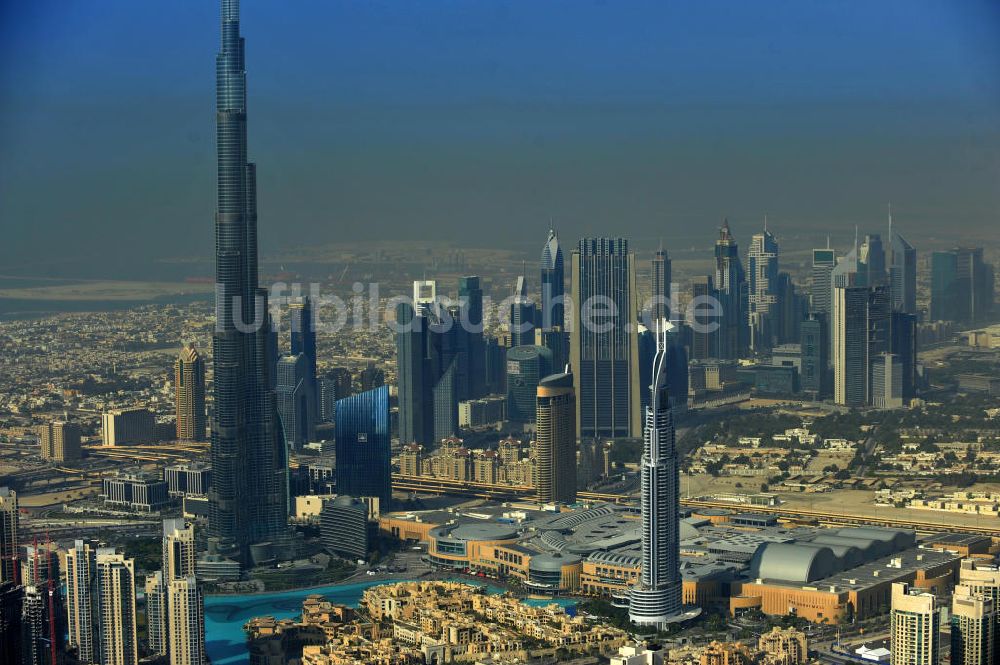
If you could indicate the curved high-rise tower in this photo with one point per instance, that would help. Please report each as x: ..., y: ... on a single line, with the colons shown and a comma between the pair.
x: 553, y: 286
x: 657, y: 599
x: 248, y: 506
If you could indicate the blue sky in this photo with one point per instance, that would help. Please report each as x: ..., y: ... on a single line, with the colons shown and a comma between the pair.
x: 481, y: 119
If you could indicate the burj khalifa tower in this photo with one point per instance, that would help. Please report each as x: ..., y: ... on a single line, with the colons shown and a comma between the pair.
x: 248, y: 503
x: 657, y: 599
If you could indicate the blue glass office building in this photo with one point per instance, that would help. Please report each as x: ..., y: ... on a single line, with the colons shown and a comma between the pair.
x: 363, y: 446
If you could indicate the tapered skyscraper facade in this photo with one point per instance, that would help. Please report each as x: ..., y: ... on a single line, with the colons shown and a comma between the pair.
x: 247, y: 499
x: 658, y: 596
x: 553, y: 284
x: 661, y: 277
x: 731, y: 286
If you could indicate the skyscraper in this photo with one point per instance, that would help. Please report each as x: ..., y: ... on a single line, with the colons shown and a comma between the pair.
x: 902, y: 274
x: 903, y: 343
x: 983, y: 580
x: 522, y: 315
x: 860, y: 334
x: 553, y: 284
x: 295, y: 401
x: 973, y: 628
x: 189, y: 394
x: 178, y: 549
x: 604, y: 351
x: 915, y: 626
x: 555, y: 439
x: 303, y: 339
x: 9, y: 521
x: 730, y: 340
x: 43, y: 613
x: 791, y: 310
x: 82, y: 608
x: 661, y: 277
x: 116, y: 603
x: 60, y: 441
x: 526, y: 366
x: 872, y: 260
x: 470, y: 296
x: 961, y: 286
x: 658, y: 596
x: 763, y: 290
x: 815, y: 345
x: 247, y: 501
x: 887, y: 381
x: 363, y: 446
x: 444, y: 400
x: 186, y: 621
x: 156, y: 613
x: 823, y: 263
x: 704, y: 330
x: 38, y: 633
x: 414, y: 394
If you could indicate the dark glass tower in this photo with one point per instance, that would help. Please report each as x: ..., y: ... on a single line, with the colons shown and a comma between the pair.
x: 247, y: 499
x: 731, y: 290
x: 661, y: 276
x: 553, y: 284
x: 470, y: 297
x: 303, y: 339
x: 363, y: 446
x: 415, y: 425
x: 604, y: 350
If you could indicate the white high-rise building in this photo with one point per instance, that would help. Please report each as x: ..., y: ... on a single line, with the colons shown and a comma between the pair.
x: 178, y: 549
x: 762, y: 309
x: 657, y: 599
x: 186, y: 622
x: 156, y: 614
x: 81, y: 600
x: 915, y: 627
x: 116, y: 608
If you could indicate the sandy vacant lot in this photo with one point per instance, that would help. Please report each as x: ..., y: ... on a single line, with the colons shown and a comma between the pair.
x: 852, y: 502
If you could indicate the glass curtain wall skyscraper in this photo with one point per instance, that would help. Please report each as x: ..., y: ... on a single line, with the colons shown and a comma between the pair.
x: 763, y: 295
x: 470, y: 296
x: 604, y: 353
x: 731, y: 290
x: 902, y: 274
x: 553, y: 284
x: 303, y: 340
x: 661, y: 277
x: 248, y: 495
x: 363, y: 446
x: 553, y: 311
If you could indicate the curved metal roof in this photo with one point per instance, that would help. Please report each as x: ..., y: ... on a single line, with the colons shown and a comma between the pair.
x: 793, y: 562
x: 869, y: 548
x: 551, y: 563
x: 898, y: 539
x: 474, y: 531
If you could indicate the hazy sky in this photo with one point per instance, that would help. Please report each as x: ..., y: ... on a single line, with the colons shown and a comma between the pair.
x: 481, y: 119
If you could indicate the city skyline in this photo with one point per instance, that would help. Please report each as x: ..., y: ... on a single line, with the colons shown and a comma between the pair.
x: 708, y: 445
